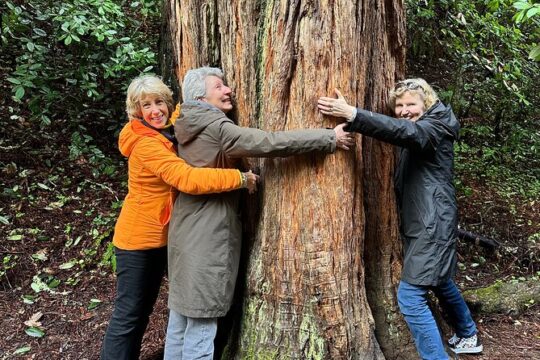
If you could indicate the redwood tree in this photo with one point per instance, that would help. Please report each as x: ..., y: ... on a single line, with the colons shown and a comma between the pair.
x: 324, y: 255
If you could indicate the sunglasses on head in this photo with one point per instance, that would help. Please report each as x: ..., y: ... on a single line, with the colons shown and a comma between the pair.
x: 410, y: 85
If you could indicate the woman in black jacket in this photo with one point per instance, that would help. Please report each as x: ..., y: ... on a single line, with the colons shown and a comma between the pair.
x: 425, y: 129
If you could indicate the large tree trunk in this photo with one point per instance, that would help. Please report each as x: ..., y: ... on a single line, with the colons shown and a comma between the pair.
x: 305, y: 288
x: 382, y: 242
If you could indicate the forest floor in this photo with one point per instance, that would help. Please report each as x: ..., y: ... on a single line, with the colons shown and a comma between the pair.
x: 56, y: 293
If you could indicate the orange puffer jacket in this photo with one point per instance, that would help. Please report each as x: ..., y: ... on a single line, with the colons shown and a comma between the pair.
x: 155, y: 172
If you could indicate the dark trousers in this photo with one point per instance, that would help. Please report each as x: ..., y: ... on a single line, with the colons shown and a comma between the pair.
x: 139, y: 274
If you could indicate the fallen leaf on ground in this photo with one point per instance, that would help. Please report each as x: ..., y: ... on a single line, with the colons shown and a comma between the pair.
x: 34, y: 320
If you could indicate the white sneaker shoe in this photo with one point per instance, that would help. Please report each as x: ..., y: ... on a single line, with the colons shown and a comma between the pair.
x: 470, y: 345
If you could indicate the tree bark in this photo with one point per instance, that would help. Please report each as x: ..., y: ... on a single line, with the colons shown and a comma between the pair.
x: 324, y: 220
x: 383, y: 259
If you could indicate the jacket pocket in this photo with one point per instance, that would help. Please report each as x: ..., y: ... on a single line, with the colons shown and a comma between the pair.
x: 445, y: 214
x: 418, y: 214
x: 165, y: 214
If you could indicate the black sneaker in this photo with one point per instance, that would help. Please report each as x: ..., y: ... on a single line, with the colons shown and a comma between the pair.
x: 470, y: 345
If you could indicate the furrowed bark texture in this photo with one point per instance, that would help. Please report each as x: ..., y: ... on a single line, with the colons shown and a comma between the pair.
x: 305, y: 294
x: 383, y: 258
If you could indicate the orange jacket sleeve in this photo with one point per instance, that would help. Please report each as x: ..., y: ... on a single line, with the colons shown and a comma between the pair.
x: 176, y: 172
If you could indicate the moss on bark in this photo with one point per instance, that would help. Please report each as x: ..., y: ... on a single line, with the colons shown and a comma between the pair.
x: 510, y: 297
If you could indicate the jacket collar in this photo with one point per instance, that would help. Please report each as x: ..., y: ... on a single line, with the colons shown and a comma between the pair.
x: 141, y: 129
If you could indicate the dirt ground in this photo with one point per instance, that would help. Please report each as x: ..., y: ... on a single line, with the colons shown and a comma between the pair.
x: 74, y: 332
x: 77, y: 331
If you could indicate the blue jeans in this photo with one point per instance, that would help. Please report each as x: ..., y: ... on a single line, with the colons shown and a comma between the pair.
x: 138, y: 279
x: 413, y: 304
x: 189, y: 338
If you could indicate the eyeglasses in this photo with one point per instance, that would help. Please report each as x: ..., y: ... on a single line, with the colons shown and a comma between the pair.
x: 409, y: 85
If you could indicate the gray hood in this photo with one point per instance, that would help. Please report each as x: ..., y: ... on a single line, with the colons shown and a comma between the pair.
x: 194, y: 118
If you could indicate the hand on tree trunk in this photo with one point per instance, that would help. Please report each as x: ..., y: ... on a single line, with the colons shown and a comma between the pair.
x: 251, y: 181
x: 344, y: 139
x: 335, y: 107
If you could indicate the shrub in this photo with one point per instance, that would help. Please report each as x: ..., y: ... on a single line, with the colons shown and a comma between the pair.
x: 73, y: 57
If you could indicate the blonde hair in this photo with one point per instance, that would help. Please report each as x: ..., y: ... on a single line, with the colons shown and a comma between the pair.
x: 413, y: 86
x: 143, y: 86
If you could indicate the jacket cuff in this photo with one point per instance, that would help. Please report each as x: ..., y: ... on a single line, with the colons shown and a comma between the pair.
x: 333, y: 143
x: 353, y: 116
x: 243, y: 180
x: 348, y: 126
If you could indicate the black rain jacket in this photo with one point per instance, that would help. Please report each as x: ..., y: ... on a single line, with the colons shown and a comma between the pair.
x: 424, y: 190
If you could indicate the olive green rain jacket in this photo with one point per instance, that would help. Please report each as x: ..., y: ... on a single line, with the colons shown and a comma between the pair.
x: 205, y: 231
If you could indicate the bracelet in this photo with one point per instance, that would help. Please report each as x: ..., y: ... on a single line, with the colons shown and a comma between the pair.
x: 244, y: 180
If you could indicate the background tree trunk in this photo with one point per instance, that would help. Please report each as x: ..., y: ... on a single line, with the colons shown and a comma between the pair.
x: 321, y: 221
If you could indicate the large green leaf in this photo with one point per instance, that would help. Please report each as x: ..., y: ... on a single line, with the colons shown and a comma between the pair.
x: 535, y: 53
x: 22, y: 350
x: 34, y: 332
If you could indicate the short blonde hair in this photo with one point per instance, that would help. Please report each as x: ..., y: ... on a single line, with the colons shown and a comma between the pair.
x: 143, y: 86
x: 413, y: 86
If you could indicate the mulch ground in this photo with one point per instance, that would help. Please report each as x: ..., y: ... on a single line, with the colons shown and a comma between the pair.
x: 505, y: 337
x: 72, y: 331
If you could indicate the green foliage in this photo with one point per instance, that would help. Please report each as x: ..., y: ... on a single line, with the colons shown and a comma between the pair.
x: 43, y: 282
x: 76, y: 55
x: 529, y: 11
x: 101, y: 229
x: 8, y: 262
x: 94, y: 303
x: 510, y: 165
x: 485, y: 49
x: 478, y: 52
x: 108, y: 257
x: 83, y: 146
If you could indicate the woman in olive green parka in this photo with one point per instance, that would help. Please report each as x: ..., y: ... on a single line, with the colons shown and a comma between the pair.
x: 205, y: 231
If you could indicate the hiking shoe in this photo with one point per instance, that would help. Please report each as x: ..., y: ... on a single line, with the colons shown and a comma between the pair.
x: 470, y: 345
x: 453, y: 340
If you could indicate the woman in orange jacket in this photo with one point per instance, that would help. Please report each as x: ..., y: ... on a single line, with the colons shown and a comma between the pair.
x: 155, y: 173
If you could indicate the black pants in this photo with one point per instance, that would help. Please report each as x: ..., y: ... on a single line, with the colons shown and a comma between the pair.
x: 139, y: 274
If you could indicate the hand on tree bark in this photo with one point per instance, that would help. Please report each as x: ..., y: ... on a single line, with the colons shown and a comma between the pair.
x: 335, y: 107
x: 251, y: 183
x: 344, y: 140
